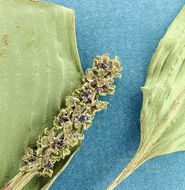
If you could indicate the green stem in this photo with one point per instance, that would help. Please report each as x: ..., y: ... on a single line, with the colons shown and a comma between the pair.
x: 19, y: 181
x: 139, y: 159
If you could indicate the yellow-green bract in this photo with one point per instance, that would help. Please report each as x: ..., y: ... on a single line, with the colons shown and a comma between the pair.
x: 39, y: 66
x: 163, y: 110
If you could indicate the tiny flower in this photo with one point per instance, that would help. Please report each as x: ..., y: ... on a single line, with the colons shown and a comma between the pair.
x: 87, y: 124
x: 86, y: 95
x: 63, y: 119
x: 94, y: 83
x: 48, y: 165
x: 72, y: 101
x: 58, y: 143
x: 81, y: 118
x: 48, y: 172
x: 103, y: 66
x: 44, y: 141
x: 32, y: 159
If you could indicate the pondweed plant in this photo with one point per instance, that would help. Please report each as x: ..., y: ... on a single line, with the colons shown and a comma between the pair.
x: 56, y: 143
x: 163, y: 110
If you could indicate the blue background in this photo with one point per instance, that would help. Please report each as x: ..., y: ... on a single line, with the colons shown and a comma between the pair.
x: 130, y: 29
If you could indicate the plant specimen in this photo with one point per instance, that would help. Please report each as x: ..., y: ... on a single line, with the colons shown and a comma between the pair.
x: 56, y: 143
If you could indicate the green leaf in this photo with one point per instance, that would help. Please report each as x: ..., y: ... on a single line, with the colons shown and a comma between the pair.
x: 163, y: 110
x: 39, y: 67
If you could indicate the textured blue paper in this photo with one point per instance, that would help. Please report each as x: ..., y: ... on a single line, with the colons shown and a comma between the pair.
x: 130, y: 29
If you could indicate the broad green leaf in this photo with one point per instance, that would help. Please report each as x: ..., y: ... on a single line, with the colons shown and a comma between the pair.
x: 39, y: 66
x: 163, y: 110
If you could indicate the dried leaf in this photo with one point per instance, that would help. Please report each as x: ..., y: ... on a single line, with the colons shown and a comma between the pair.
x: 39, y: 67
x: 163, y: 110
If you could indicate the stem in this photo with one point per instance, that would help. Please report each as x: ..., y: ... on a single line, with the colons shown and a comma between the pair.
x: 145, y: 148
x: 19, y: 181
x: 138, y: 159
